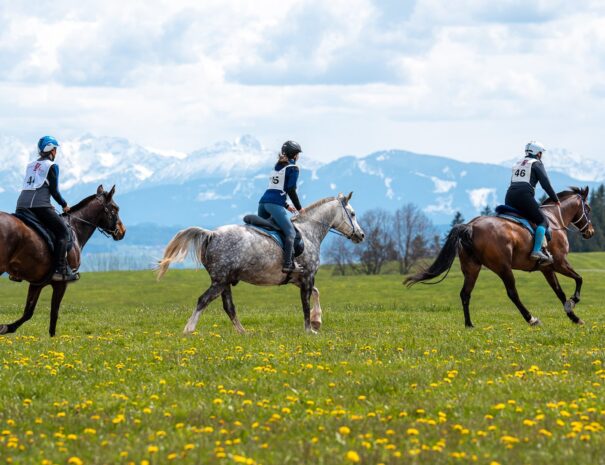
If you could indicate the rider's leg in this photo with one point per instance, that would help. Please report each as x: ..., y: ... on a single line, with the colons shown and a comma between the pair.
x: 280, y: 215
x: 53, y: 221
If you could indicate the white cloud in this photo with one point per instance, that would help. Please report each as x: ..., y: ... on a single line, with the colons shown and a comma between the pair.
x: 433, y: 77
x: 481, y: 197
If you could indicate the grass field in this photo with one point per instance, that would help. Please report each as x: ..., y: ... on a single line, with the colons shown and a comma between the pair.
x: 394, y: 377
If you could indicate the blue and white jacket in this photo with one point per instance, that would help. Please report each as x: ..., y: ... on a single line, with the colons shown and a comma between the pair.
x: 282, y: 182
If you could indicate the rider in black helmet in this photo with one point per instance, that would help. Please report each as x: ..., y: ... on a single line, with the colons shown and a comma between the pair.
x: 282, y: 183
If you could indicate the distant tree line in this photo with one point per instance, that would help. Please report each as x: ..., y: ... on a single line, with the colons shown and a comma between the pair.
x: 405, y: 237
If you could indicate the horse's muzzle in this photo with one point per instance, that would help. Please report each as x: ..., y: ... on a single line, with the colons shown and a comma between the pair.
x: 119, y: 233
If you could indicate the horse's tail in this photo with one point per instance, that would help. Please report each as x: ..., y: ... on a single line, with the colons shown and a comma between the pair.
x: 461, y: 235
x: 192, y: 239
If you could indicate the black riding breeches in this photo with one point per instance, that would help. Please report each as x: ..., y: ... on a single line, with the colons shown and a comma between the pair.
x: 524, y: 201
x: 50, y: 218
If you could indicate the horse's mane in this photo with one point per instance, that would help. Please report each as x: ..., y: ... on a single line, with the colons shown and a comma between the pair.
x: 316, y: 204
x: 82, y: 203
x: 573, y: 191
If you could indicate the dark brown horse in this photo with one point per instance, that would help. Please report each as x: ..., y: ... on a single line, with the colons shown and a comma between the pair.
x: 25, y: 256
x: 502, y: 246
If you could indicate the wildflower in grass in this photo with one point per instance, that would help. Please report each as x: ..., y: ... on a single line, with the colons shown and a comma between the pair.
x: 529, y: 422
x: 353, y: 456
x: 172, y: 456
x: 344, y: 430
x: 545, y: 432
x: 189, y: 446
x: 413, y: 432
x: 75, y: 461
x: 152, y: 449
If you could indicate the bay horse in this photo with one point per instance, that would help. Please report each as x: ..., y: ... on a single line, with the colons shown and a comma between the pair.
x: 502, y: 245
x: 236, y: 253
x: 25, y: 255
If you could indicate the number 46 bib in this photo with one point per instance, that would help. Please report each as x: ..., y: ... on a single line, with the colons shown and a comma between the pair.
x: 522, y: 170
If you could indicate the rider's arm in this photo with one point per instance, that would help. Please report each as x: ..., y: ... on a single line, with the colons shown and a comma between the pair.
x: 544, y: 181
x: 53, y: 185
x: 290, y: 187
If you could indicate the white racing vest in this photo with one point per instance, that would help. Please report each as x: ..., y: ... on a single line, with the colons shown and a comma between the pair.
x: 522, y: 170
x: 277, y: 179
x: 36, y: 174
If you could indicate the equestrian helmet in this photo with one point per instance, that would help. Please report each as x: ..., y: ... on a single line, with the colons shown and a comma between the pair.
x: 534, y: 148
x: 290, y: 148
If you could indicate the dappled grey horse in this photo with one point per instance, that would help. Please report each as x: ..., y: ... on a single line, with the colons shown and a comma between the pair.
x: 236, y: 253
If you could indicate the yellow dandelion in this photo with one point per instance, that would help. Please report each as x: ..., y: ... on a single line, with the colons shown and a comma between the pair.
x: 75, y: 461
x: 353, y: 456
x: 344, y: 430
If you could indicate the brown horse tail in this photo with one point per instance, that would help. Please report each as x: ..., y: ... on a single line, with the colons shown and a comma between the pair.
x: 461, y: 235
x: 193, y: 240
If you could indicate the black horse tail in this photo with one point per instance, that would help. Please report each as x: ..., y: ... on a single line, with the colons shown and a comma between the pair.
x: 461, y: 235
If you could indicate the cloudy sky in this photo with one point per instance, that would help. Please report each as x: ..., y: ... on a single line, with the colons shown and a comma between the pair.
x: 471, y: 79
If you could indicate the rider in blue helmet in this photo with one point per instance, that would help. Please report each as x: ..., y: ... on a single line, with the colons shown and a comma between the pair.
x: 40, y: 184
x: 528, y: 172
x: 282, y: 183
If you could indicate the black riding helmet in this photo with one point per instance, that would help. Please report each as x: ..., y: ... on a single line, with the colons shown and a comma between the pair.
x: 290, y: 148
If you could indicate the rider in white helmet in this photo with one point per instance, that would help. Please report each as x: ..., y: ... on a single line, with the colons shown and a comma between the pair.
x: 527, y: 172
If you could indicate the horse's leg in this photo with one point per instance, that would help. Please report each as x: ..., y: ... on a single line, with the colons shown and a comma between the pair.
x: 306, y: 289
x: 511, y: 290
x: 565, y: 268
x: 470, y: 269
x: 30, y: 304
x: 211, y: 293
x: 316, y: 310
x: 59, y: 289
x: 551, y: 278
x: 229, y: 308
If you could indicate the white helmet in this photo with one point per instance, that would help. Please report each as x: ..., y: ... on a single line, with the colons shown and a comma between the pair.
x: 534, y: 148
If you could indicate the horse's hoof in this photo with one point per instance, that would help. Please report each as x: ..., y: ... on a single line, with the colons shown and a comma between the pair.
x: 569, y: 305
x: 580, y: 322
x: 534, y: 321
x: 316, y: 325
x: 311, y: 331
x: 3, y: 329
x: 471, y: 326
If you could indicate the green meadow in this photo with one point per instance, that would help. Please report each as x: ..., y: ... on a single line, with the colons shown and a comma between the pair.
x: 393, y: 377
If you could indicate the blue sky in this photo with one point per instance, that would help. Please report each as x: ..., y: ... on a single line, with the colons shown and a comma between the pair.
x: 469, y: 79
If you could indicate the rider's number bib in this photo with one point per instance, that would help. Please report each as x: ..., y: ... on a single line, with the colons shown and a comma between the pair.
x: 277, y: 180
x: 522, y: 170
x: 36, y: 174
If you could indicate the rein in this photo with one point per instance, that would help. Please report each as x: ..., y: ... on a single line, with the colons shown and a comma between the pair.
x: 105, y: 232
x: 575, y: 223
x: 332, y: 229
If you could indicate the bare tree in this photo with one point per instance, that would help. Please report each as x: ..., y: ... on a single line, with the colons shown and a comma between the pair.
x: 379, y: 246
x: 340, y: 254
x: 410, y: 231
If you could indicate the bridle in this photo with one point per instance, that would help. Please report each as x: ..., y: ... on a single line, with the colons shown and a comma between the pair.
x: 576, y: 222
x: 105, y: 231
x: 334, y: 229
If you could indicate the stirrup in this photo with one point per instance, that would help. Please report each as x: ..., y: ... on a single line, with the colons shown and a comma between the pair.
x: 66, y: 275
x: 292, y: 268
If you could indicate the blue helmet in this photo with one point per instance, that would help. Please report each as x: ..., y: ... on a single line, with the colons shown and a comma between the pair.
x: 46, y: 144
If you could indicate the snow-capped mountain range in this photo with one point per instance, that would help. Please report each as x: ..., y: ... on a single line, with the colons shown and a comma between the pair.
x: 221, y: 183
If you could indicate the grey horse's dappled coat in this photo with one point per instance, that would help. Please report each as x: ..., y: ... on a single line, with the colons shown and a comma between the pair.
x: 236, y: 253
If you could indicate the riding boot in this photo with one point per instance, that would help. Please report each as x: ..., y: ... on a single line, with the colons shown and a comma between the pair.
x: 63, y: 271
x: 537, y: 253
x: 289, y: 266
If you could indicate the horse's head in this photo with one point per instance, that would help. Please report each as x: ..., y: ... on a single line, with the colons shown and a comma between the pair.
x: 346, y: 220
x: 109, y: 220
x: 583, y: 217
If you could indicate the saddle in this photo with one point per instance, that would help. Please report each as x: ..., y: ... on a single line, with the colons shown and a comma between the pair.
x: 512, y: 214
x: 45, y: 234
x: 271, y: 229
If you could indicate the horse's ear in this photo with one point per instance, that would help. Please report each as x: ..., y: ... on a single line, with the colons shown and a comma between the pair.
x: 109, y: 195
x: 100, y: 189
x: 585, y: 193
x: 349, y: 196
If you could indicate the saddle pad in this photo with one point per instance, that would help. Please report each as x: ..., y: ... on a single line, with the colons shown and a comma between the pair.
x: 46, y: 235
x: 272, y: 234
x: 525, y: 223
